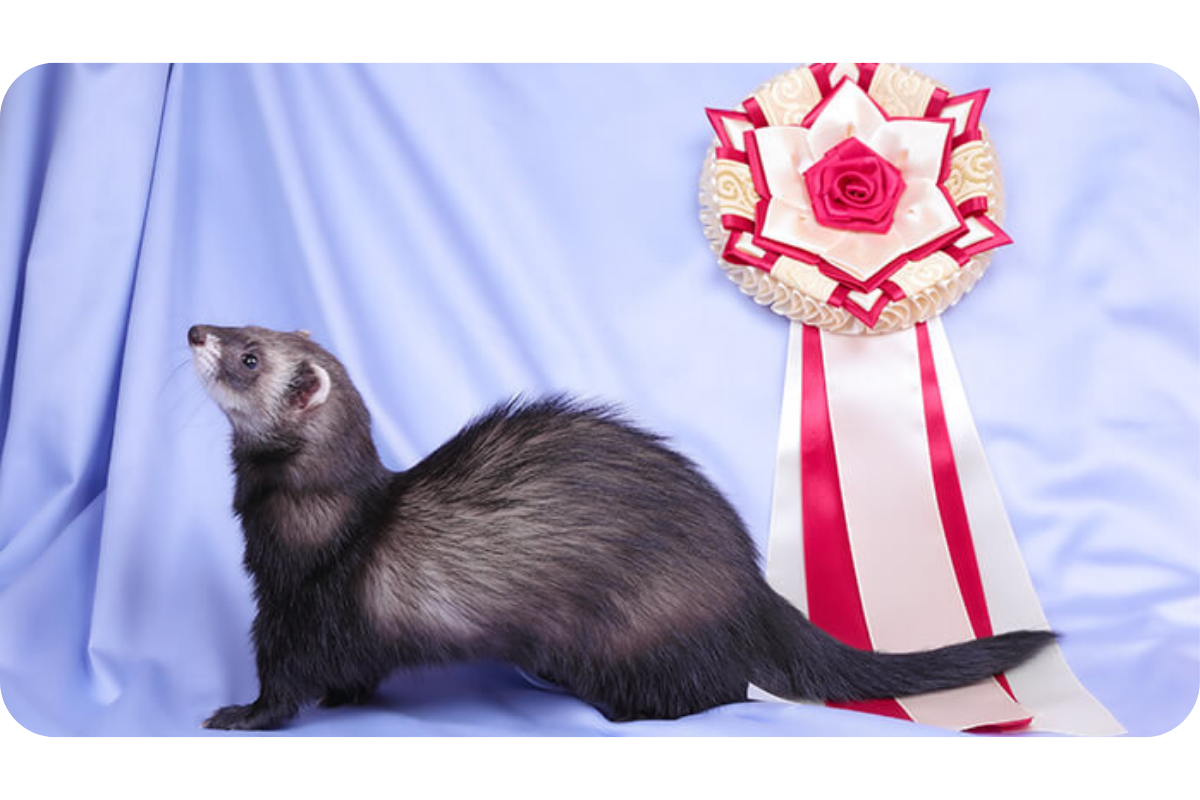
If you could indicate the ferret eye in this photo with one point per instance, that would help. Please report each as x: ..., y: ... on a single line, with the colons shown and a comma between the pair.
x: 250, y: 361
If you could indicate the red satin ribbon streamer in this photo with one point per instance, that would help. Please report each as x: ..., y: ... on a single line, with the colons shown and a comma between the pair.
x: 951, y: 507
x: 834, y: 602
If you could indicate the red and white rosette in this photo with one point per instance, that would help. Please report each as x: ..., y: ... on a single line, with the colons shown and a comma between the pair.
x: 861, y: 201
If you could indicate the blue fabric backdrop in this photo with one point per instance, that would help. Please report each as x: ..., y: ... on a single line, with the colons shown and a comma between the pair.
x: 457, y: 234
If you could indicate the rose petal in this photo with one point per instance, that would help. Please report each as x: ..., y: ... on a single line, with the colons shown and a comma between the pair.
x: 850, y: 112
x: 924, y: 214
x: 916, y: 147
x: 791, y: 225
x: 864, y: 254
x: 784, y: 154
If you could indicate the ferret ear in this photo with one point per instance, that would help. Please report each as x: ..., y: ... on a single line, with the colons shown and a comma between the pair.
x: 311, y: 387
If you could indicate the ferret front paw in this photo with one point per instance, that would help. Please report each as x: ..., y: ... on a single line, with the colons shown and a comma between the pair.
x: 249, y: 717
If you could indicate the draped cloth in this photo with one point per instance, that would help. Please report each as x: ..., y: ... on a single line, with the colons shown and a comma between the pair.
x: 458, y: 234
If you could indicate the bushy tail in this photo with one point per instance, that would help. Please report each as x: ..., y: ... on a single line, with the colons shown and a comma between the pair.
x: 802, y: 662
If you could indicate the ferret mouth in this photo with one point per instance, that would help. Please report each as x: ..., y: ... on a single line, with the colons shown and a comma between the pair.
x: 207, y: 358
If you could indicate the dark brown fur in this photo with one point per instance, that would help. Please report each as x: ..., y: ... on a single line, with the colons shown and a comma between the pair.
x: 549, y: 534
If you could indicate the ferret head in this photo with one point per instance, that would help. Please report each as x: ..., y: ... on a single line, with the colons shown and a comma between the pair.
x: 272, y: 385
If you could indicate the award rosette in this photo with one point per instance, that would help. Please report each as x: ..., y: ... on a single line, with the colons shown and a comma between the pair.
x: 861, y: 201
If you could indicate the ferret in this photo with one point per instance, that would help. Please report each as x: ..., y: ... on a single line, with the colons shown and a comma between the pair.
x: 549, y: 534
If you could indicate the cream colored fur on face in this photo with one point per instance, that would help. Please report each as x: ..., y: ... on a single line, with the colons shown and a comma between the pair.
x: 207, y: 358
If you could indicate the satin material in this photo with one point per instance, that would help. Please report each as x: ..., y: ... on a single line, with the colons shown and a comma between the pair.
x: 916, y: 147
x: 1046, y: 683
x: 835, y: 599
x: 891, y: 556
x: 907, y: 584
x: 459, y: 234
x: 948, y: 489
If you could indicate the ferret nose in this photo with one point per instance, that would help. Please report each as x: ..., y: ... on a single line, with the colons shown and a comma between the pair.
x: 196, y: 335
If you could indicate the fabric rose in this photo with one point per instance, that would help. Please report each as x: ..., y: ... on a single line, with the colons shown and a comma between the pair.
x: 848, y: 203
x: 854, y: 188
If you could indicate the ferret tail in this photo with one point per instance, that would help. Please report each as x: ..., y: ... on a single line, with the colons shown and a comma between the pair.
x: 800, y: 661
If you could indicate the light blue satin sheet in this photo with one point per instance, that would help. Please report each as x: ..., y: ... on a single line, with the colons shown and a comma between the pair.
x: 459, y: 234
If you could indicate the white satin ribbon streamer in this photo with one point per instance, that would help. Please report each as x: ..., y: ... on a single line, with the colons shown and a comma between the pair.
x: 1045, y: 685
x: 910, y: 594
